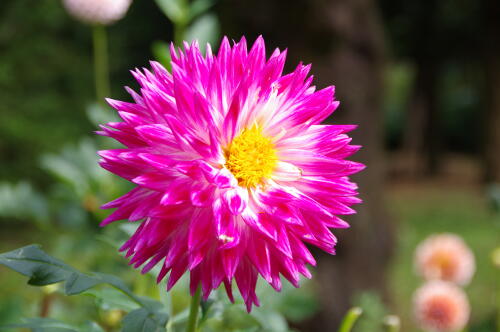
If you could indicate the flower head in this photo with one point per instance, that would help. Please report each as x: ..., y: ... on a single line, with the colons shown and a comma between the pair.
x: 97, y: 11
x: 234, y: 172
x: 441, y: 307
x: 445, y: 257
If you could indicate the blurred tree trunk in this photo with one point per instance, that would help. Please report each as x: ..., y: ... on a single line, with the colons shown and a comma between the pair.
x: 344, y: 41
x: 355, y: 64
x: 421, y: 137
x: 421, y: 140
x: 491, y: 14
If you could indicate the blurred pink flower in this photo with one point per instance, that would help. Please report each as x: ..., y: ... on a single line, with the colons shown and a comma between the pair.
x: 233, y: 170
x: 97, y: 11
x: 441, y: 307
x: 445, y: 257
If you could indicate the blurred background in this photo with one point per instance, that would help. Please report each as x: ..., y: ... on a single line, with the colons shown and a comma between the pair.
x: 420, y: 78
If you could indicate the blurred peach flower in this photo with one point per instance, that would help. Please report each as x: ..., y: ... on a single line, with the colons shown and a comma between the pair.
x: 441, y: 307
x: 445, y: 257
x: 97, y: 11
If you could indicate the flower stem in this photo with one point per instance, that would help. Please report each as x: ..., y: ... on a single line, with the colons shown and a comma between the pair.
x: 193, y: 311
x: 349, y: 319
x: 179, y: 33
x: 101, y: 70
x: 47, y: 300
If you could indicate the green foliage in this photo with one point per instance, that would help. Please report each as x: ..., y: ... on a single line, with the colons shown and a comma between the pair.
x: 191, y: 22
x: 398, y: 83
x: 142, y: 320
x: 44, y: 325
x: 78, y: 188
x: 21, y: 201
x: 161, y: 53
x: 181, y: 11
x: 111, y: 298
x: 175, y: 10
x: 41, y: 88
x: 373, y: 312
x: 42, y: 269
x: 205, y: 30
x: 54, y: 325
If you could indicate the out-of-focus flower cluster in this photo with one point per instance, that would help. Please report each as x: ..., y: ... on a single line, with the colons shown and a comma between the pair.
x: 445, y: 257
x: 441, y: 306
x: 445, y: 262
x: 102, y: 12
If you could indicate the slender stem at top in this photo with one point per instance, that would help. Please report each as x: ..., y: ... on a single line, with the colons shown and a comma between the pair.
x: 101, y: 69
x: 193, y: 311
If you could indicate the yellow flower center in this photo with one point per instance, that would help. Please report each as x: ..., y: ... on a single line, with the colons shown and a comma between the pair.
x: 251, y: 157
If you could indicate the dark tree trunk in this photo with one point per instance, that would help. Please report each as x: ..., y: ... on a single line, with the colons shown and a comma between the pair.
x: 421, y: 141
x: 492, y: 70
x: 356, y: 64
x: 344, y: 41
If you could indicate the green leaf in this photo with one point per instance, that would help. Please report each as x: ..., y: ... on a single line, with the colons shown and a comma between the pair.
x: 180, y: 318
x: 43, y: 269
x: 205, y: 29
x: 62, y: 168
x: 271, y: 320
x: 111, y: 298
x: 205, y: 308
x: 161, y: 53
x: 99, y: 115
x: 173, y: 9
x: 90, y: 327
x: 198, y: 7
x: 141, y: 320
x: 79, y: 282
x: 237, y: 318
x: 32, y: 262
x: 43, y: 325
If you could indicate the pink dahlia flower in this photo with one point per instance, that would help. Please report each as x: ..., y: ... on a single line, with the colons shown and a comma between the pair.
x: 97, y: 11
x: 445, y: 257
x: 234, y: 172
x: 441, y: 307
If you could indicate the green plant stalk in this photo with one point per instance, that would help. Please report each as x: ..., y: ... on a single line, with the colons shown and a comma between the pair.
x: 46, y: 304
x: 179, y: 32
x: 193, y: 311
x: 101, y: 68
x: 350, y: 319
x: 167, y: 297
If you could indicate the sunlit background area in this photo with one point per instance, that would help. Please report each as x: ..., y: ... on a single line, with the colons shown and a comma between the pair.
x: 421, y: 79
